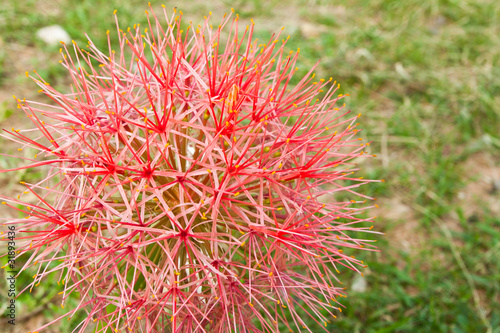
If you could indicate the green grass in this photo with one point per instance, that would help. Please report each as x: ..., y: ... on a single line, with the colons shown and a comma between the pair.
x: 426, y: 77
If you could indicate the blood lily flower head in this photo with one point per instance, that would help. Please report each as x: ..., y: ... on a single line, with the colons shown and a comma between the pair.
x: 184, y: 184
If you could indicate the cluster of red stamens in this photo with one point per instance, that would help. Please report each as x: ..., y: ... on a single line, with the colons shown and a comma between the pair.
x: 190, y: 187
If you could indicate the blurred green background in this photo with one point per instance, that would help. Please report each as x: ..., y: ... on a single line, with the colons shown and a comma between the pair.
x: 424, y: 74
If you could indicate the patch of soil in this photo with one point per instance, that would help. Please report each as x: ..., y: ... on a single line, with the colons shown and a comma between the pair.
x: 483, y: 188
x: 402, y: 225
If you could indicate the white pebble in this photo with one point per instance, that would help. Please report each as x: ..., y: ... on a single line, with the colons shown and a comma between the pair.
x: 53, y: 35
x: 359, y: 284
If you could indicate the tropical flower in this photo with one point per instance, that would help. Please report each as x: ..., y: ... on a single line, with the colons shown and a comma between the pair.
x: 185, y: 184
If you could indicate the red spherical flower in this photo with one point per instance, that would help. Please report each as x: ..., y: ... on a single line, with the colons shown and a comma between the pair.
x: 184, y: 184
